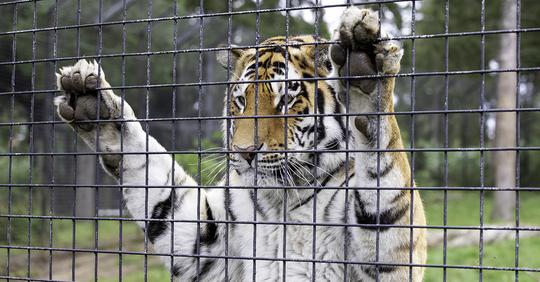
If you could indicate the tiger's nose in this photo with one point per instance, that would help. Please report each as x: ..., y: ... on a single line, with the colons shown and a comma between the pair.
x: 247, y: 153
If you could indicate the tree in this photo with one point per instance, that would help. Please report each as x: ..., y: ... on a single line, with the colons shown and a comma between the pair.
x: 505, y: 131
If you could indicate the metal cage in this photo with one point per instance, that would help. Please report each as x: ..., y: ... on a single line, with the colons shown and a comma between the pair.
x: 63, y: 219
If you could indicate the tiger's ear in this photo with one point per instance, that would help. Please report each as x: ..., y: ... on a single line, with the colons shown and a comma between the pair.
x: 228, y: 56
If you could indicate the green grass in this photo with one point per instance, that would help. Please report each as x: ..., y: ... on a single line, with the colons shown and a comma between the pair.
x: 501, y: 254
x: 463, y: 209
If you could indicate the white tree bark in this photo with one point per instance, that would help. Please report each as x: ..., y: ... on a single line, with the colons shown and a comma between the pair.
x: 505, y: 130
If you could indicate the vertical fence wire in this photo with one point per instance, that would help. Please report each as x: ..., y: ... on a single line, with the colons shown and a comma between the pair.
x: 10, y: 142
x: 52, y: 140
x: 348, y: 135
x: 287, y: 182
x: 315, y: 176
x: 31, y: 141
x: 517, y: 136
x: 254, y: 193
x: 199, y: 138
x: 378, y: 147
x: 482, y: 140
x: 173, y: 136
x: 413, y: 130
x: 147, y: 130
x: 122, y: 131
x: 445, y: 134
x: 75, y: 145
x: 227, y: 177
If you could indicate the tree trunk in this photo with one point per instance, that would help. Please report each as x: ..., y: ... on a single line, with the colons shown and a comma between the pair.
x: 505, y: 130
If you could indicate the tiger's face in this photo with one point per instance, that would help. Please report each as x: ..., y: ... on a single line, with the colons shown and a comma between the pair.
x: 275, y: 128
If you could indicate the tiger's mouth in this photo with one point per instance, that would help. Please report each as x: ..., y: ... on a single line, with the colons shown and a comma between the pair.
x: 284, y: 170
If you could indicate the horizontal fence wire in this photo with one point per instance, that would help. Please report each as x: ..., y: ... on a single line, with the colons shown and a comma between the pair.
x: 65, y: 219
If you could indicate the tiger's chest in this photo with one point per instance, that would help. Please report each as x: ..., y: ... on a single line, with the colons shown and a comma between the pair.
x: 293, y: 250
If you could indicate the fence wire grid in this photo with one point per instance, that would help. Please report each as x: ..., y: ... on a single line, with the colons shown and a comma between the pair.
x: 465, y: 100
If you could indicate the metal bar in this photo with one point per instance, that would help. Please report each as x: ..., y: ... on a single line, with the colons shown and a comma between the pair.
x: 52, y: 142
x: 413, y: 130
x: 199, y: 140
x: 446, y: 145
x: 147, y: 211
x: 31, y: 143
x: 121, y: 165
x: 173, y: 138
x: 518, y: 134
x: 427, y: 188
x: 415, y: 113
x: 322, y: 224
x: 482, y: 137
x: 202, y: 152
x: 523, y: 269
x: 10, y: 142
x: 417, y: 74
x: 196, y: 16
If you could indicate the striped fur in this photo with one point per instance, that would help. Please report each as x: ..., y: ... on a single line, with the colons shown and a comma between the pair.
x: 374, y: 248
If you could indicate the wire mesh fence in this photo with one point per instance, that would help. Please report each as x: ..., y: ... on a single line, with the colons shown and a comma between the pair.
x: 401, y: 146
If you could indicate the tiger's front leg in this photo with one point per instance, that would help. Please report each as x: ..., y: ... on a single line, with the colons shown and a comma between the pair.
x: 383, y: 212
x: 147, y: 172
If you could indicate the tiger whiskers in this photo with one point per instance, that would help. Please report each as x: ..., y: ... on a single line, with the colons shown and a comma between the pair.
x: 315, y: 167
x: 217, y: 169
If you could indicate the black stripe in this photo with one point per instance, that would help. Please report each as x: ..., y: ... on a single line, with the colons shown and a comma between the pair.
x: 375, y: 175
x: 329, y: 205
x: 210, y: 236
x: 332, y: 145
x: 255, y: 202
x: 325, y: 181
x: 331, y: 174
x: 337, y: 110
x: 306, y: 199
x: 228, y: 202
x: 328, y: 65
x: 348, y: 180
x: 321, y: 133
x: 207, y: 265
x: 278, y: 65
x: 400, y: 195
x: 371, y: 270
x: 161, y: 211
x: 168, y: 177
x: 141, y: 166
x: 175, y: 270
x: 389, y: 216
x: 306, y: 75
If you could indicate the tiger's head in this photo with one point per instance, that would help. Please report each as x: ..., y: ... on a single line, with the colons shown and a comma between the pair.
x: 274, y: 82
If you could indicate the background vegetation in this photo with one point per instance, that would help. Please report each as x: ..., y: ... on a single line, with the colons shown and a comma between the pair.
x: 26, y: 96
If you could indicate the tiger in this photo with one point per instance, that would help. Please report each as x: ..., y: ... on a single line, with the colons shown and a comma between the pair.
x: 326, y: 180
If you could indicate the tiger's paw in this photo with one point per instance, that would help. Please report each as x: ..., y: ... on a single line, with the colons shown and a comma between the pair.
x: 79, y: 105
x: 360, y: 53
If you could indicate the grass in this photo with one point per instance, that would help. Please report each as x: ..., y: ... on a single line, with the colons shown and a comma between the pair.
x: 463, y: 209
x: 501, y: 254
